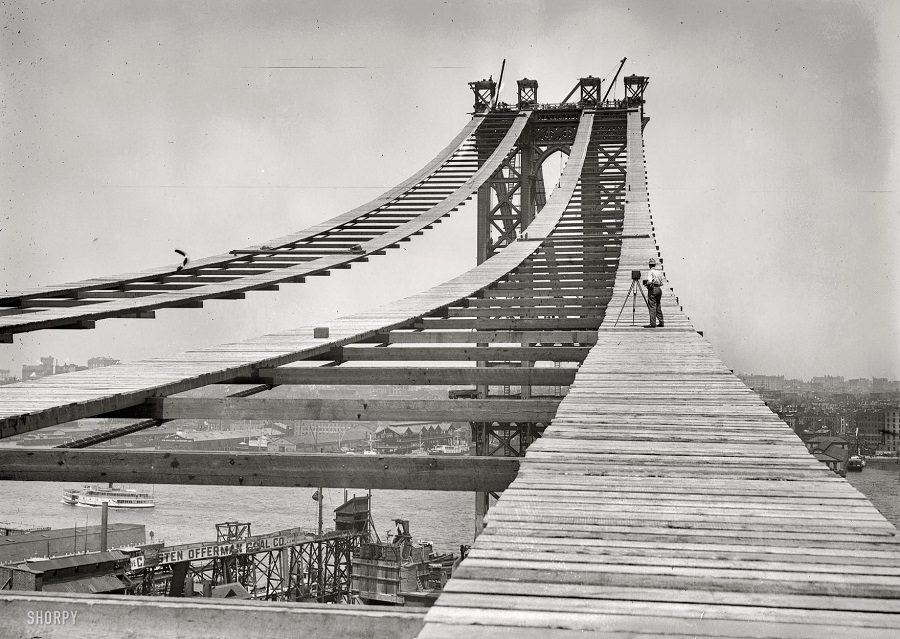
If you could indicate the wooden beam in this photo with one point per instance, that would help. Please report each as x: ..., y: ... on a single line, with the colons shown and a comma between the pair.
x: 582, y: 323
x: 533, y: 302
x: 111, y: 294
x: 495, y: 375
x: 79, y: 325
x: 524, y: 311
x: 395, y: 472
x: 507, y: 290
x: 462, y: 410
x: 45, y: 302
x: 458, y: 353
x: 474, y: 337
x: 101, y: 617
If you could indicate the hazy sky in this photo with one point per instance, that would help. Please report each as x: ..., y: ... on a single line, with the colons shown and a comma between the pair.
x: 130, y: 129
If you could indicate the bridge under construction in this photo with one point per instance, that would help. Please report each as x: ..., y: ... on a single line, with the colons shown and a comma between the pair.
x: 655, y: 496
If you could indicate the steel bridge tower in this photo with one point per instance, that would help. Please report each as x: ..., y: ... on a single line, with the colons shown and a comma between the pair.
x: 515, y: 193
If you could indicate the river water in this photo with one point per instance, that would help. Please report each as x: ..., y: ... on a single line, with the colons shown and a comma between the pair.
x: 880, y: 482
x: 186, y: 514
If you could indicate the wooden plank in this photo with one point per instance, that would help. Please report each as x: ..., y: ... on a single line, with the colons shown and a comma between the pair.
x: 395, y: 472
x: 100, y: 617
x: 420, y: 376
x: 351, y: 409
x: 458, y: 353
x: 503, y: 337
x: 666, y: 499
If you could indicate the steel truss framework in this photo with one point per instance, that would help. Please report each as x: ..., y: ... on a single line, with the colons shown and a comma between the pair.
x: 510, y: 199
x: 317, y: 570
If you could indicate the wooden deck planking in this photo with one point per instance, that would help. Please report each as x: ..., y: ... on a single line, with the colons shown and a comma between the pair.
x: 666, y: 499
x: 396, y: 231
x: 56, y: 399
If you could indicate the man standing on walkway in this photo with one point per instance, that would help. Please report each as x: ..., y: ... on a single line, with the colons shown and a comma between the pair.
x: 654, y: 283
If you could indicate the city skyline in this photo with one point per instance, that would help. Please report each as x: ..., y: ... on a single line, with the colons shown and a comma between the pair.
x: 112, y: 360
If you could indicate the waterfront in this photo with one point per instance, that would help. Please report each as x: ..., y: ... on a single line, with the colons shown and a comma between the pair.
x: 185, y: 514
x: 880, y: 482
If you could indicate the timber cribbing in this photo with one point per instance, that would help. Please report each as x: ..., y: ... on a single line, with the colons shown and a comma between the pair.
x: 666, y: 499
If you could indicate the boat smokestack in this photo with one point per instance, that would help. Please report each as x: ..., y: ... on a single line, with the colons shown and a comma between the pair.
x: 104, y: 520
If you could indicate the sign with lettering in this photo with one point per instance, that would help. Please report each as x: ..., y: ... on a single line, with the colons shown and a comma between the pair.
x: 213, y: 550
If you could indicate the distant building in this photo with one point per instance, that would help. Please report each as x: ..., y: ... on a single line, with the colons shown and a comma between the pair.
x: 869, y: 426
x: 281, y: 445
x: 884, y: 385
x: 405, y: 437
x: 831, y: 451
x: 44, y: 542
x: 859, y: 386
x: 91, y: 573
x: 331, y: 437
x: 99, y: 362
x: 314, y: 430
x: 763, y: 382
x: 46, y: 368
x: 6, y: 378
x: 891, y: 432
x: 249, y: 439
x: 828, y: 384
x: 68, y: 368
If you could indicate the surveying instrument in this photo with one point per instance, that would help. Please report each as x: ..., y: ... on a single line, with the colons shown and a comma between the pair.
x: 633, y: 291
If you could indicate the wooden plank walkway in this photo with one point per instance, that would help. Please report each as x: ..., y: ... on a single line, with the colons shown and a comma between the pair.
x: 666, y: 499
x: 415, y: 205
x: 52, y: 400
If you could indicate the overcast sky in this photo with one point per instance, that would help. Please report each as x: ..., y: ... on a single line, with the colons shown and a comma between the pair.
x: 130, y: 129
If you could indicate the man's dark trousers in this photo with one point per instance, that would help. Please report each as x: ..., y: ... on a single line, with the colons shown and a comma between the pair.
x: 654, y: 300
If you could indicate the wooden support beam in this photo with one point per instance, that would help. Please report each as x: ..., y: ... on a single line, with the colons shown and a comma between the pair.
x: 458, y: 353
x: 581, y: 323
x: 44, y: 302
x: 101, y: 617
x: 231, y: 468
x: 77, y: 326
x: 350, y: 409
x: 474, y: 337
x: 495, y: 375
x: 160, y: 287
x: 111, y: 294
x: 534, y: 302
x: 511, y: 289
x: 523, y: 311
x: 562, y: 278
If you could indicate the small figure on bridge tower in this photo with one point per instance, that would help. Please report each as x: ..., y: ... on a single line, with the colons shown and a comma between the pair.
x: 654, y: 282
